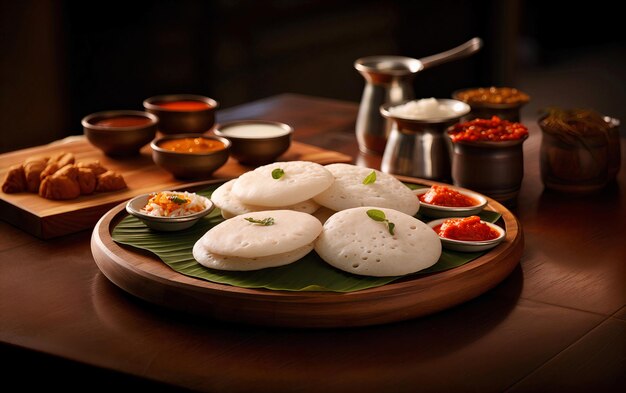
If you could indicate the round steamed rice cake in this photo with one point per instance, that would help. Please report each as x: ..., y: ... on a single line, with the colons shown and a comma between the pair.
x: 301, y: 180
x: 353, y: 242
x: 231, y: 206
x: 348, y: 190
x: 239, y: 237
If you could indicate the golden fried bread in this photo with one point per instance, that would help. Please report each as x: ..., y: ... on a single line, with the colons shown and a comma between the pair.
x: 15, y: 180
x: 110, y: 181
x: 62, y: 159
x: 63, y: 184
x: 86, y: 180
x: 32, y: 171
x: 61, y: 177
x: 57, y: 162
x: 94, y: 165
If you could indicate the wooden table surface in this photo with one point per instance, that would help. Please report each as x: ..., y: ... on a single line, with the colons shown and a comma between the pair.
x: 556, y: 324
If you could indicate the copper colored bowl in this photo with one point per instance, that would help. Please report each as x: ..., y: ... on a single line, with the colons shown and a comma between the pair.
x: 120, y: 132
x: 190, y: 165
x: 174, y: 120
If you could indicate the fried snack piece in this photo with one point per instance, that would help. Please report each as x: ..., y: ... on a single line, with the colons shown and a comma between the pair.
x: 63, y: 184
x: 86, y: 180
x: 15, y: 180
x: 57, y: 162
x: 110, y: 181
x: 49, y: 170
x: 32, y: 171
x: 62, y: 159
x: 94, y: 165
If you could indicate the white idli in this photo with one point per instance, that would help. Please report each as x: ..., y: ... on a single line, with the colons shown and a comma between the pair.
x: 238, y: 237
x: 301, y: 180
x: 348, y: 190
x: 221, y: 262
x: 353, y: 242
x: 230, y: 206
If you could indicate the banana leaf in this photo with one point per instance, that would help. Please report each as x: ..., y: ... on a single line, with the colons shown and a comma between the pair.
x: 310, y: 273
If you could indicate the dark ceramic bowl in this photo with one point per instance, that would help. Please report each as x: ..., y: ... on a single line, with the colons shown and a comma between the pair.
x: 256, y: 142
x: 494, y: 169
x: 190, y: 165
x: 484, y: 110
x: 120, y: 132
x: 182, y: 113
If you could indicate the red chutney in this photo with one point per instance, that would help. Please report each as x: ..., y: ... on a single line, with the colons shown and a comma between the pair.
x: 444, y: 196
x: 467, y: 228
x: 491, y: 130
x: 184, y: 105
x: 123, y: 121
x: 192, y: 145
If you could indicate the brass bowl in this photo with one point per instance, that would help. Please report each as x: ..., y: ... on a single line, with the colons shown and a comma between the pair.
x: 256, y: 142
x: 120, y: 132
x: 181, y: 121
x: 190, y: 165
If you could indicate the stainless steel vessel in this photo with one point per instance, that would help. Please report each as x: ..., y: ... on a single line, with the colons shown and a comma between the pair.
x: 389, y: 80
x: 421, y: 148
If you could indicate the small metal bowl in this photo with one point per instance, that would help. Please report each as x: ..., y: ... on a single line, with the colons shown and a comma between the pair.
x: 466, y: 245
x: 438, y: 211
x: 178, y: 120
x: 167, y: 224
x: 256, y: 142
x: 190, y: 165
x: 120, y: 132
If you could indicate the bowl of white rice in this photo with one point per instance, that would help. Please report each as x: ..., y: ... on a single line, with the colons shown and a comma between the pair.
x: 169, y: 210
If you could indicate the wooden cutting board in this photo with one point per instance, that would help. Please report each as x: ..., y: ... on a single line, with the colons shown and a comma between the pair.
x: 46, y: 218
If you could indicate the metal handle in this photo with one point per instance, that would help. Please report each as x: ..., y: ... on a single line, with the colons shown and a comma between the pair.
x: 470, y: 47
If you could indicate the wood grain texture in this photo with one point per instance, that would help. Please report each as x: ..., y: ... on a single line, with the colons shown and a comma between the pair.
x: 47, y: 218
x: 146, y: 277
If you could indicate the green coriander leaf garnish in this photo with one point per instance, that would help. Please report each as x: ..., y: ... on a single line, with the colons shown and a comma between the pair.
x: 376, y: 215
x: 369, y: 179
x: 278, y: 173
x: 264, y: 222
x: 379, y: 215
x: 178, y: 200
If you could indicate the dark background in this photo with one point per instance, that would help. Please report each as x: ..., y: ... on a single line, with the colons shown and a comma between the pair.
x: 62, y: 60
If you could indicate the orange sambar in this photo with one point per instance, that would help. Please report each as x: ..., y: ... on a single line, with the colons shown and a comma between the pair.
x: 183, y: 105
x: 192, y: 145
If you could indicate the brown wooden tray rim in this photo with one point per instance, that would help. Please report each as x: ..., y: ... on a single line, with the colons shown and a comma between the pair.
x: 144, y: 275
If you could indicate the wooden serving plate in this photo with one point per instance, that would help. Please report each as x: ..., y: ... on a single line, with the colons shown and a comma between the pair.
x: 147, y: 277
x: 46, y: 218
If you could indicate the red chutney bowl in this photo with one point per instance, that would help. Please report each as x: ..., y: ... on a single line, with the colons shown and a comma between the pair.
x: 469, y: 245
x: 120, y: 132
x: 440, y: 211
x: 182, y: 113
